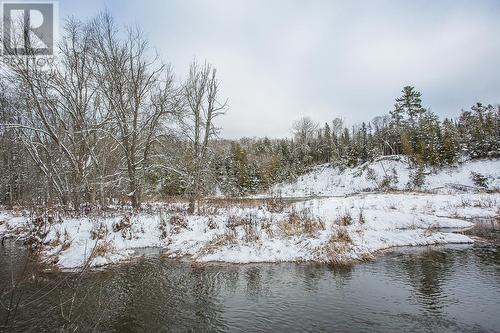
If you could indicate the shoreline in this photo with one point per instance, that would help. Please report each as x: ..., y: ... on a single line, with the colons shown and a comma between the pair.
x: 329, y: 230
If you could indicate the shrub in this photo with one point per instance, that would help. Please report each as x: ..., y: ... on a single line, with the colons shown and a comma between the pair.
x: 266, y: 226
x: 417, y: 178
x: 389, y: 180
x: 38, y: 229
x: 479, y: 180
x: 431, y: 229
x: 64, y: 243
x: 211, y: 224
x: 122, y: 224
x: 249, y: 224
x: 371, y: 175
x: 465, y: 202
x: 178, y: 220
x: 344, y: 219
x: 178, y: 223
x: 125, y: 226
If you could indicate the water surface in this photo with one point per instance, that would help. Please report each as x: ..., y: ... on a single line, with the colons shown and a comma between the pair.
x: 431, y: 289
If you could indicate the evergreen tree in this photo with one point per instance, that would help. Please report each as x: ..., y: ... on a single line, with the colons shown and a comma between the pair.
x: 327, y: 143
x: 449, y: 148
x: 408, y: 104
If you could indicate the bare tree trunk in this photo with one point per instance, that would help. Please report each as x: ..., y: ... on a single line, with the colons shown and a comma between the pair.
x: 200, y: 93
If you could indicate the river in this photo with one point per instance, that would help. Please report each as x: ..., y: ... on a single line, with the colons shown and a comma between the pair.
x: 427, y: 289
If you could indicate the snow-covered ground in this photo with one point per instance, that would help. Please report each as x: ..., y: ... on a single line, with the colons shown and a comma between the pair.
x: 325, y: 180
x: 322, y: 229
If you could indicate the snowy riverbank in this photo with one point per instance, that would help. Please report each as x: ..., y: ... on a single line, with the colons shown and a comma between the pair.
x: 324, y: 230
x: 394, y: 171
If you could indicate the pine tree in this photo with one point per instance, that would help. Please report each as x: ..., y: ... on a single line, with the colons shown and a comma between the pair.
x: 363, y: 144
x: 449, y: 148
x: 408, y: 104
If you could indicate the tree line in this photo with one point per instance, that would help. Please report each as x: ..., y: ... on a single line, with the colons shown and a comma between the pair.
x: 108, y: 121
x: 251, y: 165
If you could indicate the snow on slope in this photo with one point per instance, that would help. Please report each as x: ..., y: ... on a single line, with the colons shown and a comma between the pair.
x: 325, y: 180
x: 379, y: 221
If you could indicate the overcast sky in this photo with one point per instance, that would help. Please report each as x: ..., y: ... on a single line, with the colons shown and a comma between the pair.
x: 280, y: 60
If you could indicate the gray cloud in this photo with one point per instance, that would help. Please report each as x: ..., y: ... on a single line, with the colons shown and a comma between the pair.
x: 279, y: 60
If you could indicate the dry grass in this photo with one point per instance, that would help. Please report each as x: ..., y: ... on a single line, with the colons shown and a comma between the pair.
x: 266, y: 226
x: 252, y: 234
x: 177, y: 208
x: 249, y: 225
x: 212, y: 206
x: 484, y: 202
x: 234, y: 221
x: 430, y: 230
x: 487, y: 203
x: 225, y: 239
x: 338, y: 247
x: 275, y: 204
x: 208, y: 210
x: 344, y: 219
x: 302, y: 222
x: 102, y: 248
x: 342, y: 235
x: 225, y: 203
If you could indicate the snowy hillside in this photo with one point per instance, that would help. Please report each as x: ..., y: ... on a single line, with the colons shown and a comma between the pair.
x: 325, y: 180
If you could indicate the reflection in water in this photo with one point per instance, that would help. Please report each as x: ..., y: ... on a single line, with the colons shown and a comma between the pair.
x: 427, y: 274
x: 154, y: 296
x: 253, y: 281
x: 427, y: 289
x: 342, y: 274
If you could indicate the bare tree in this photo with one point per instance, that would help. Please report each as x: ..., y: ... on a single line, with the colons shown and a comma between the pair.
x: 57, y: 119
x: 202, y: 106
x: 138, y: 92
x: 304, y: 129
